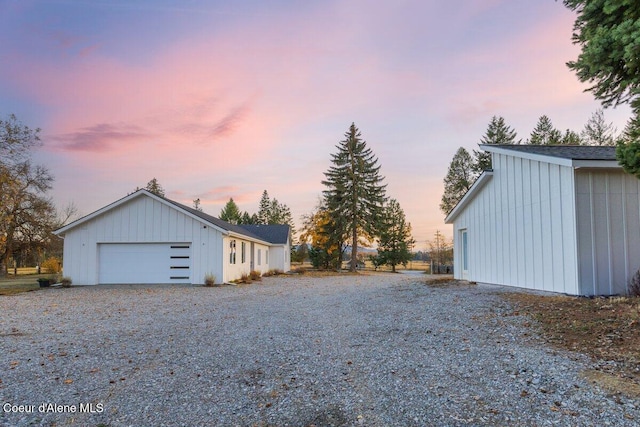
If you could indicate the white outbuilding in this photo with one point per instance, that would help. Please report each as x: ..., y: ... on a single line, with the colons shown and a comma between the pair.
x: 145, y: 238
x: 555, y: 218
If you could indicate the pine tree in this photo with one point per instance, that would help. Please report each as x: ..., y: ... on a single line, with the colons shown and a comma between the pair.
x: 570, y: 138
x: 608, y: 33
x: 395, y: 242
x: 497, y: 133
x: 597, y: 131
x: 154, y: 187
x: 264, y: 208
x: 628, y: 147
x: 196, y: 205
x: 246, y: 218
x: 459, y: 179
x: 230, y: 212
x: 544, y: 133
x: 355, y: 195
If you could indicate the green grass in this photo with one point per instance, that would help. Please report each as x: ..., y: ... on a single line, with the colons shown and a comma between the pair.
x: 12, y: 285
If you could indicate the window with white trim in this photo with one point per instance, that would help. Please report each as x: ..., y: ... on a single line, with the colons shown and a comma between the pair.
x: 232, y: 251
x: 243, y: 252
x: 259, y: 256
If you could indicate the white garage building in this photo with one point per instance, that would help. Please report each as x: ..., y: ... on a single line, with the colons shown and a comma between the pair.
x: 555, y: 218
x: 144, y: 238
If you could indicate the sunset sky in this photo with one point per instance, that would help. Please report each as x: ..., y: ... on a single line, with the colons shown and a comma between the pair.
x: 220, y: 99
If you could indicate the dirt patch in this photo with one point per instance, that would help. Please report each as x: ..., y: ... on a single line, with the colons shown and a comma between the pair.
x: 445, y: 282
x: 607, y: 329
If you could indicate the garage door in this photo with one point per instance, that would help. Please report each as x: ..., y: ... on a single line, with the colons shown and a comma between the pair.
x: 144, y: 263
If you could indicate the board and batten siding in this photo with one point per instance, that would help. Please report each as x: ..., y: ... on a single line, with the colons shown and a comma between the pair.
x: 608, y: 224
x: 233, y: 271
x: 141, y: 220
x: 521, y: 228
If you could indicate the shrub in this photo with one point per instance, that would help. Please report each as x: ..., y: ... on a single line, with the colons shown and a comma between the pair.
x: 634, y: 285
x: 51, y: 265
x: 209, y: 279
x: 273, y: 272
x: 255, y: 275
x: 66, y: 282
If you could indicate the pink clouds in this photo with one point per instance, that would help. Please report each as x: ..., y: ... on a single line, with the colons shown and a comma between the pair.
x: 233, y: 106
x: 98, y: 138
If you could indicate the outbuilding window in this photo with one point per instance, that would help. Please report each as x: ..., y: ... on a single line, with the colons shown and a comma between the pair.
x: 232, y: 251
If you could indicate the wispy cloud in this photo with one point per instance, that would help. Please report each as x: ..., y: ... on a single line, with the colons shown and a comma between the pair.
x: 99, y: 138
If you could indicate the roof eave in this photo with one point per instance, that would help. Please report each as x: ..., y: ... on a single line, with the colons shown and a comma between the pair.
x: 596, y: 164
x: 530, y: 156
x: 61, y: 231
x: 482, y: 180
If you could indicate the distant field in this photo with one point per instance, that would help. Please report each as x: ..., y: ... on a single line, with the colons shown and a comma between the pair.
x: 413, y: 265
x: 23, y: 271
x: 22, y: 283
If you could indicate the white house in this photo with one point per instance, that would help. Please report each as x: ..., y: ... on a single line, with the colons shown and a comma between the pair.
x: 145, y: 238
x: 555, y: 218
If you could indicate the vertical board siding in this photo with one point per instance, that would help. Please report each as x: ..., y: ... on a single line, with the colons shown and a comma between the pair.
x: 608, y: 224
x: 520, y: 227
x: 141, y: 220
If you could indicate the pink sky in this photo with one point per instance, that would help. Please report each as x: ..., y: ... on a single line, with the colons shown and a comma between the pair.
x: 227, y: 99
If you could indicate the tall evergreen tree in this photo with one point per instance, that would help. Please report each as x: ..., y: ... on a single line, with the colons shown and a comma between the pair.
x: 395, y: 241
x: 264, y: 208
x: 544, y: 133
x: 570, y: 138
x: 608, y: 33
x: 498, y: 132
x: 230, y: 212
x: 355, y: 195
x: 459, y: 179
x: 597, y: 131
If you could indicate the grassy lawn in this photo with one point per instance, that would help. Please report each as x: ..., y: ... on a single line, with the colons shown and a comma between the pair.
x: 12, y: 285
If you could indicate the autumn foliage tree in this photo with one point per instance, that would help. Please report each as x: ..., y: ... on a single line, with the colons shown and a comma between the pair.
x: 319, y: 230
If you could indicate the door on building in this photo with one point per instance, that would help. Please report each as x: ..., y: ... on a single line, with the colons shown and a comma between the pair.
x: 464, y: 254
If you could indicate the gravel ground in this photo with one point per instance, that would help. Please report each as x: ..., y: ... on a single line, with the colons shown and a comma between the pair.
x: 374, y: 350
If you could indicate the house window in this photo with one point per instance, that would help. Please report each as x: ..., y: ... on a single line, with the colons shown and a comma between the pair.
x: 243, y: 251
x: 232, y: 252
x: 259, y: 256
x: 266, y: 256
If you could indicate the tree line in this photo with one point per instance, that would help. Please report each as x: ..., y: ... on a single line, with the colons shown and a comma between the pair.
x: 607, y: 32
x: 466, y: 167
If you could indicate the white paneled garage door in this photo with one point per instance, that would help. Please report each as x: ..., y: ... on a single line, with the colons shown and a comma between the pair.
x: 144, y: 263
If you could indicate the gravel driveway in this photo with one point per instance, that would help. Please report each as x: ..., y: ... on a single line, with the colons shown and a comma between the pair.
x: 371, y: 350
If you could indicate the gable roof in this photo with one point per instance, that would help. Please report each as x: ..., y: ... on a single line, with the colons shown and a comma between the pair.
x: 469, y: 195
x: 274, y: 233
x: 575, y: 156
x: 221, y: 225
